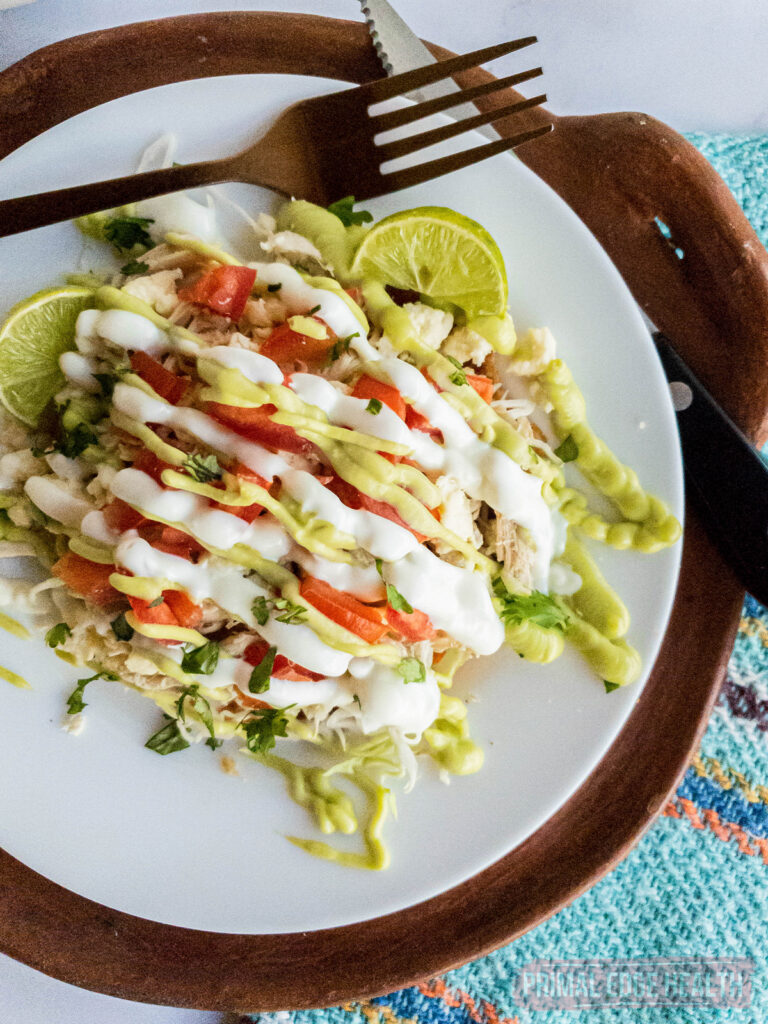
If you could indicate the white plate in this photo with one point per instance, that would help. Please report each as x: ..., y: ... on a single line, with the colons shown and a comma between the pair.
x: 176, y: 840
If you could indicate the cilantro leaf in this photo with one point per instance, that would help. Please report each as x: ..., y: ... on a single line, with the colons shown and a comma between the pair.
x: 74, y: 442
x: 126, y: 232
x: 568, y: 450
x: 460, y: 376
x: 261, y: 726
x: 57, y: 634
x: 373, y: 407
x: 260, y: 610
x: 290, y: 613
x: 397, y: 600
x: 168, y: 739
x: 314, y: 310
x: 535, y: 607
x: 121, y: 627
x: 202, y: 709
x: 157, y: 602
x: 134, y: 267
x: 259, y: 681
x: 106, y: 383
x: 610, y: 687
x: 342, y: 208
x: 75, y: 702
x: 412, y: 670
x: 202, y: 660
x: 340, y: 346
x: 203, y: 468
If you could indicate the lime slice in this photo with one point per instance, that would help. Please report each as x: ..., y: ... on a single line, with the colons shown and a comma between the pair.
x: 439, y: 253
x: 33, y: 337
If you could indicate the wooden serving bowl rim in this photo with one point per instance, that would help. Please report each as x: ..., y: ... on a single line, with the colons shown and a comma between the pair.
x: 87, y: 944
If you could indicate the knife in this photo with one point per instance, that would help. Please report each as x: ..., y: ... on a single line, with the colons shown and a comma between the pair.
x: 726, y: 478
x: 400, y: 49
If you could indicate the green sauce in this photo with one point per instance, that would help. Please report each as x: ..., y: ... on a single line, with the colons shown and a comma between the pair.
x: 448, y: 741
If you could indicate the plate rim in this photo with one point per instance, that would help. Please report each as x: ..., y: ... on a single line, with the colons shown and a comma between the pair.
x: 85, y: 943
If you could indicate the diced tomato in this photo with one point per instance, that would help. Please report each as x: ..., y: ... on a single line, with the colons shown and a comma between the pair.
x: 247, y: 700
x: 369, y: 387
x: 184, y: 608
x: 482, y: 385
x: 168, y: 385
x: 345, y: 610
x: 224, y: 290
x: 89, y: 579
x: 121, y: 517
x: 287, y: 347
x: 246, y: 473
x: 170, y: 540
x: 246, y: 512
x: 353, y: 498
x: 283, y: 668
x: 148, y: 463
x: 256, y: 425
x: 413, y: 626
x: 152, y: 613
x: 416, y: 421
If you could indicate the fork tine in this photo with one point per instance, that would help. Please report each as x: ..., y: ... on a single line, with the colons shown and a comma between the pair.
x: 396, y: 118
x: 386, y: 88
x: 413, y: 143
x: 396, y: 180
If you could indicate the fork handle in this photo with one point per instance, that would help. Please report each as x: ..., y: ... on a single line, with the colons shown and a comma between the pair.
x: 35, y: 211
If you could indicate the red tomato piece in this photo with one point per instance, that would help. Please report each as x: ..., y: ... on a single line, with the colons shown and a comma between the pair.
x: 483, y: 385
x: 89, y: 579
x: 248, y: 700
x: 283, y: 668
x: 353, y: 498
x: 224, y: 290
x: 148, y: 463
x: 413, y: 626
x: 151, y: 613
x: 416, y: 421
x: 186, y: 612
x: 287, y: 347
x: 121, y: 517
x: 369, y: 387
x: 256, y: 425
x: 168, y: 385
x: 171, y: 541
x: 345, y: 610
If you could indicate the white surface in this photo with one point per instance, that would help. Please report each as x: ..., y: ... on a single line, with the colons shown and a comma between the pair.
x: 658, y: 56
x: 145, y: 832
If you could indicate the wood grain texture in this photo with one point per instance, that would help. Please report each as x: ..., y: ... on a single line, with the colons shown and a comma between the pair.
x: 618, y: 172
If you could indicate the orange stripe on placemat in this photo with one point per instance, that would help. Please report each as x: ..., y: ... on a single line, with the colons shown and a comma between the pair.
x: 437, y: 989
x: 724, y: 830
x: 690, y: 812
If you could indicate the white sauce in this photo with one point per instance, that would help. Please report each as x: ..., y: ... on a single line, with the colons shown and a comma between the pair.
x: 363, y: 582
x: 52, y: 496
x: 254, y: 367
x: 386, y: 699
x: 229, y: 588
x: 79, y: 369
x: 455, y: 599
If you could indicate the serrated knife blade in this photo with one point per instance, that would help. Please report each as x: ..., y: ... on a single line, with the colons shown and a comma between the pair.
x: 400, y: 49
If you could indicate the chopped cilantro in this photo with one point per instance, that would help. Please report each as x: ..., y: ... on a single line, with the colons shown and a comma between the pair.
x: 379, y: 564
x: 340, y: 346
x: 610, y: 687
x: 397, y: 600
x: 314, y: 310
x: 202, y: 660
x: 71, y: 443
x: 134, y: 267
x: 261, y: 726
x: 259, y: 681
x: 568, y: 451
x: 202, y: 709
x: 127, y: 232
x: 157, y: 602
x: 75, y: 702
x: 459, y: 377
x: 203, y: 468
x: 121, y: 627
x: 57, y: 634
x: 290, y: 613
x: 373, y: 407
x: 342, y: 209
x: 535, y: 607
x: 106, y: 383
x: 168, y: 740
x: 412, y: 670
x: 274, y: 287
x: 356, y: 700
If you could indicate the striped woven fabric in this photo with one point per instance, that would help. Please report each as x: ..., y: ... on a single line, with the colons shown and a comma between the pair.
x: 695, y: 887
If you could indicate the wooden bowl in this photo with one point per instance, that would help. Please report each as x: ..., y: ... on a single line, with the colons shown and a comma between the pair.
x: 618, y: 172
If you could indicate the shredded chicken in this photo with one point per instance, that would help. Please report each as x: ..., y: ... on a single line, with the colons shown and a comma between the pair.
x: 432, y: 325
x: 466, y: 345
x: 507, y: 541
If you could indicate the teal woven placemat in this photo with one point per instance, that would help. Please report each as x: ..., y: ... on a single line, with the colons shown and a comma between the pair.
x: 694, y: 889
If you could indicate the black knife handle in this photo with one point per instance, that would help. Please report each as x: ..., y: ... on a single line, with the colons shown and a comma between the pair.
x: 725, y: 476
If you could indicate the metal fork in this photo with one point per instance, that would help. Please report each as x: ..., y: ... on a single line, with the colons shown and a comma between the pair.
x: 320, y: 149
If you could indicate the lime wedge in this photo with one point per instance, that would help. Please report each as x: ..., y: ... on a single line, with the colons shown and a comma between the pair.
x: 439, y: 253
x: 33, y: 337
